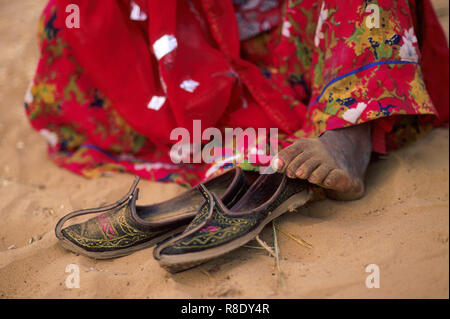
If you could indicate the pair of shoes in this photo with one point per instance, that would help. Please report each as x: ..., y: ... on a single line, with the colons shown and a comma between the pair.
x: 124, y: 227
x: 205, y: 222
x: 218, y: 228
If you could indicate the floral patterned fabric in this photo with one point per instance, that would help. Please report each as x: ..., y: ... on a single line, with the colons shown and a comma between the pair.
x: 303, y: 66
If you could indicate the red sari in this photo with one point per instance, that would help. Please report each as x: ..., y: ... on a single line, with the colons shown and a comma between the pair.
x: 107, y: 95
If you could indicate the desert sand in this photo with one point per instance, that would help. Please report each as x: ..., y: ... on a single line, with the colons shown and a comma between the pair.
x: 401, y: 225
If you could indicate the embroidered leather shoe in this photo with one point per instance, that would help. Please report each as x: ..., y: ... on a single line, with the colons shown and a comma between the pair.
x: 124, y: 227
x: 217, y: 230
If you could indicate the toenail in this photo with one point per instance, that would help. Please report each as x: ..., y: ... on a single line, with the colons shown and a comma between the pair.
x: 278, y: 163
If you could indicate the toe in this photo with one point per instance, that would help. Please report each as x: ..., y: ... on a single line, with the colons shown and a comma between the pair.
x: 294, y: 165
x: 282, y: 160
x: 304, y: 171
x: 319, y: 174
x: 338, y: 180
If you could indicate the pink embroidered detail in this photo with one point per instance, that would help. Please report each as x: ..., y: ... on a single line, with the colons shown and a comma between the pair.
x: 210, y: 228
x: 106, y: 225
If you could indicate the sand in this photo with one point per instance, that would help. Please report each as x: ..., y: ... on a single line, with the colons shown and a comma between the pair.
x: 401, y: 225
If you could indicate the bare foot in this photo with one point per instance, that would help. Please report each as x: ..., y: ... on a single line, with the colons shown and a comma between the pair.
x: 336, y: 161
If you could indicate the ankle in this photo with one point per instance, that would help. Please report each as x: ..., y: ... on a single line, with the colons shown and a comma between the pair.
x: 350, y: 147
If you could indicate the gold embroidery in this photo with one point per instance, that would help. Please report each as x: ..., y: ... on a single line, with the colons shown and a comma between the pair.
x: 124, y: 235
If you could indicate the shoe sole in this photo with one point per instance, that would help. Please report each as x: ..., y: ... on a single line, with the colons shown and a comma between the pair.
x: 177, y: 263
x: 67, y: 244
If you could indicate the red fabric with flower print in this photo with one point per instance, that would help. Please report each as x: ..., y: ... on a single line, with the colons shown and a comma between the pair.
x: 107, y: 95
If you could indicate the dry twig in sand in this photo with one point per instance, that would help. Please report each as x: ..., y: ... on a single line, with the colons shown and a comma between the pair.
x: 299, y: 241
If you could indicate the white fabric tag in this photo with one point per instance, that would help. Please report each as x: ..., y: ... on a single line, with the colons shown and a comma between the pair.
x: 189, y: 85
x: 136, y: 13
x: 156, y: 102
x: 164, y: 45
